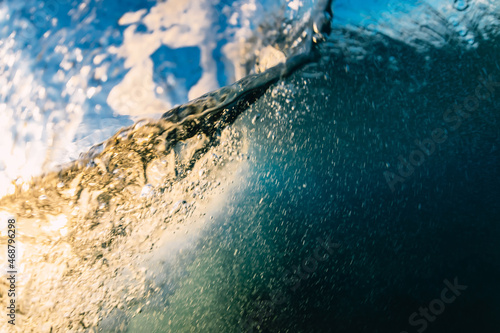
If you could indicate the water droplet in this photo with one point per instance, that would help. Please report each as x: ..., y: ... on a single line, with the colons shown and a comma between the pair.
x: 461, y: 5
x: 202, y: 172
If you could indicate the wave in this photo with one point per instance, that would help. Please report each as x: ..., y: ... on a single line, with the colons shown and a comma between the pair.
x: 107, y: 227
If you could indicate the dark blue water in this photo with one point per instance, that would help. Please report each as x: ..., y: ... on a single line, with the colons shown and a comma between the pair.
x: 324, y: 241
x: 397, y: 247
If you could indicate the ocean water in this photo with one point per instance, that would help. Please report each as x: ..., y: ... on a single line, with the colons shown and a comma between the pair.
x: 353, y: 187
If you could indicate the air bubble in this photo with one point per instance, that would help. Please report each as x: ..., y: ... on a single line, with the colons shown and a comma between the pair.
x: 454, y: 20
x: 147, y: 190
x: 461, y: 5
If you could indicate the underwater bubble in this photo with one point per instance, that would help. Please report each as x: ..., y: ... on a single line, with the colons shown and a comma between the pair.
x: 147, y: 190
x: 462, y: 31
x: 454, y: 20
x: 461, y: 5
x: 177, y: 206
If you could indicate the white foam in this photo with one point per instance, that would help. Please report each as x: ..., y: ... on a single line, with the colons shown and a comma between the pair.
x: 131, y: 17
x: 175, y: 24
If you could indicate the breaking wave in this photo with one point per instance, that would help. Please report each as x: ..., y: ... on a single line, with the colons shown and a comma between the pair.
x: 179, y: 222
